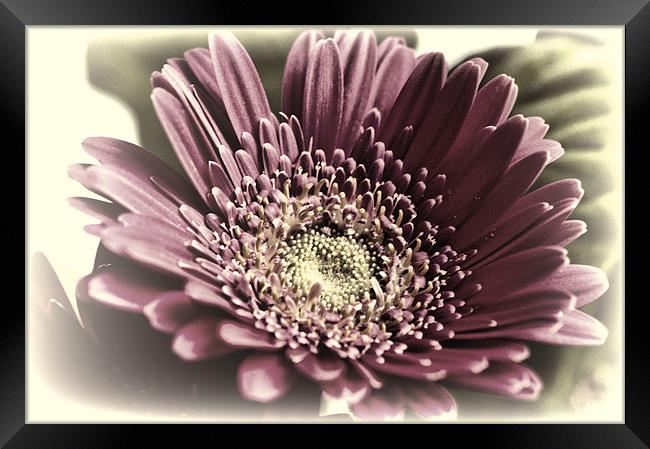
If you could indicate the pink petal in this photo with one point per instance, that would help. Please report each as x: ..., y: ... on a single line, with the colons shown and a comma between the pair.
x: 192, y: 150
x: 239, y: 83
x: 169, y: 311
x: 392, y: 73
x: 443, y: 121
x: 265, y: 377
x: 358, y: 52
x: 197, y: 340
x: 428, y: 400
x: 503, y: 378
x: 240, y: 335
x: 387, y: 403
x: 321, y: 367
x: 323, y: 97
x: 295, y: 72
x: 587, y: 283
x: 578, y: 329
x: 124, y: 289
x: 419, y: 92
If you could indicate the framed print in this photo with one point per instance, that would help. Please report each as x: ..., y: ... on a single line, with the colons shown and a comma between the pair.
x: 424, y: 220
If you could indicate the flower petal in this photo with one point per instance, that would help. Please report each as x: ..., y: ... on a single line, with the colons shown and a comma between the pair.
x: 239, y: 335
x: 392, y: 73
x: 265, y: 377
x: 587, y: 283
x: 323, y: 97
x: 443, y: 121
x: 578, y: 329
x: 140, y: 162
x: 239, y: 83
x: 124, y: 289
x: 379, y: 405
x: 169, y: 311
x: 523, y: 268
x: 514, y: 183
x: 295, y: 72
x: 503, y: 378
x: 197, y: 340
x: 321, y: 367
x: 192, y: 151
x: 419, y: 92
x: 429, y: 400
x: 358, y: 50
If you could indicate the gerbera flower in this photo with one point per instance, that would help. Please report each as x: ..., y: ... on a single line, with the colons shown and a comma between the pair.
x: 377, y: 237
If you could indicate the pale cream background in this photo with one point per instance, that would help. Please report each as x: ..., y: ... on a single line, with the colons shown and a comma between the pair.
x: 63, y: 109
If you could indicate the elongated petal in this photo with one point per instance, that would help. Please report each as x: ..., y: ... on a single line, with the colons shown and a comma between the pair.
x: 379, y: 405
x: 419, y: 92
x: 504, y: 378
x: 239, y: 335
x: 358, y: 55
x: 323, y: 97
x: 239, y: 84
x: 392, y: 73
x: 124, y: 289
x: 191, y: 150
x: 578, y: 329
x: 295, y: 72
x: 443, y: 121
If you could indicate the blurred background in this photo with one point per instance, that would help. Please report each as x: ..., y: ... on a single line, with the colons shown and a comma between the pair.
x: 95, y: 81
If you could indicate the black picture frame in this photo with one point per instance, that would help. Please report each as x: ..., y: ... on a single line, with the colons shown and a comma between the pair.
x: 16, y: 15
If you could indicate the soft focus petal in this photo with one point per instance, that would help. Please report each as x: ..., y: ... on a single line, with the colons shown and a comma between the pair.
x: 265, y: 377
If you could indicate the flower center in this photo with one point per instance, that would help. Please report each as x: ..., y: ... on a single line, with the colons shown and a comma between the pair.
x: 343, y: 263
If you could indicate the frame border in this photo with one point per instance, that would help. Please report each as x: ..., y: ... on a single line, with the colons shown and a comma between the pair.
x: 16, y: 15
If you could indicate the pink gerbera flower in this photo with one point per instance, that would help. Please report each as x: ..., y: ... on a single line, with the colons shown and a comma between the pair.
x: 377, y: 237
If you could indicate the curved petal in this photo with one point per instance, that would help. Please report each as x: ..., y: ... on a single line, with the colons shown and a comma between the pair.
x: 192, y: 150
x: 523, y: 269
x: 295, y: 72
x: 140, y: 162
x: 587, y: 283
x: 124, y: 289
x: 578, y: 329
x: 443, y: 121
x: 358, y: 51
x: 323, y: 97
x: 169, y: 311
x: 429, y: 400
x: 419, y: 92
x: 392, y: 73
x: 503, y: 378
x: 321, y: 367
x: 239, y: 335
x: 265, y: 377
x: 197, y: 340
x: 386, y: 403
x: 239, y: 83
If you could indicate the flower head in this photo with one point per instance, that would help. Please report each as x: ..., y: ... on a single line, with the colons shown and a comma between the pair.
x: 378, y: 238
